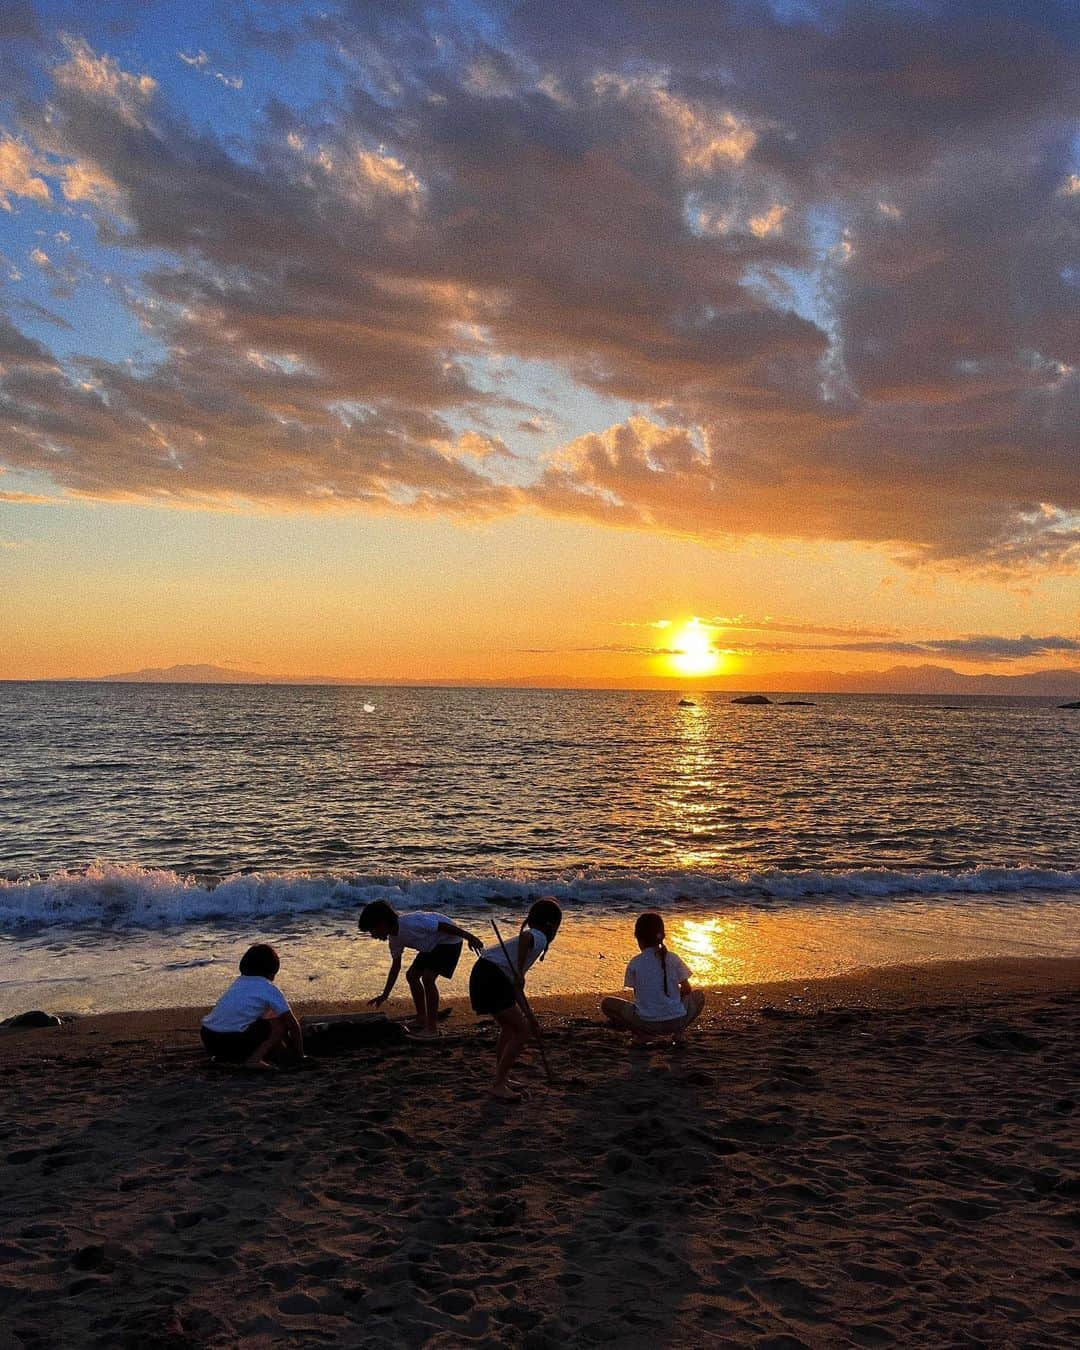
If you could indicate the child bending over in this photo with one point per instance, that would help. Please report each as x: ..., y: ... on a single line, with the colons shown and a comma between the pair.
x: 664, y: 1003
x: 497, y: 988
x: 437, y: 943
x: 251, y: 1023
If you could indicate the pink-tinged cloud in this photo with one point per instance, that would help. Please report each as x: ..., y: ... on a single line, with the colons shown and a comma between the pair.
x: 828, y: 257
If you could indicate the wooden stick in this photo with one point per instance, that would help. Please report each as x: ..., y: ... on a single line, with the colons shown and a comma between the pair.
x: 525, y: 1001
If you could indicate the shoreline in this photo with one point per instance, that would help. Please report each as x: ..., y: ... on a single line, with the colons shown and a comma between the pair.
x: 326, y: 964
x: 889, y: 1158
x: 910, y: 986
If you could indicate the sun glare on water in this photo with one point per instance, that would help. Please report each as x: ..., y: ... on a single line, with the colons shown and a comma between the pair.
x: 695, y: 654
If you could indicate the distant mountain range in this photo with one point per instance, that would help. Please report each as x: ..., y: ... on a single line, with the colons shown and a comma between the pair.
x: 203, y: 674
x: 924, y: 679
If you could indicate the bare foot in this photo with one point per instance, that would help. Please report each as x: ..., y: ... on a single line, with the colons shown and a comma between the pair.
x: 262, y: 1065
x: 423, y: 1034
x: 505, y: 1093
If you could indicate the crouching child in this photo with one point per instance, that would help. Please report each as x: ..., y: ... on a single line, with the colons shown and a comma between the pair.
x: 251, y: 1023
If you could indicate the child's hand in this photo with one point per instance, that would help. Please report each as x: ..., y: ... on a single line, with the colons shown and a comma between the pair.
x: 377, y: 1001
x: 475, y: 944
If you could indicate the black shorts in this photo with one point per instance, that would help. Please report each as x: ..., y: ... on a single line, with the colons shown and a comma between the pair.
x: 235, y: 1046
x: 442, y: 959
x: 490, y: 989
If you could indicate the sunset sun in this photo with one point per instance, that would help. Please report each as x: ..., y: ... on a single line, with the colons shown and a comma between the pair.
x: 695, y: 654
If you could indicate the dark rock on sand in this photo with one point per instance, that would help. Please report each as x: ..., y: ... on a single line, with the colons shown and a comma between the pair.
x: 756, y: 699
x: 1006, y: 1038
x: 35, y: 1018
x: 90, y: 1258
x: 333, y: 1035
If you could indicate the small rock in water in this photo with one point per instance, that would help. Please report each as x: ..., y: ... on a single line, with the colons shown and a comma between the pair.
x: 756, y: 699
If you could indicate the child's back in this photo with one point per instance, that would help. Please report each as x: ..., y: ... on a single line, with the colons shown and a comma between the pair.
x: 664, y: 1003
x: 655, y: 976
x: 247, y: 999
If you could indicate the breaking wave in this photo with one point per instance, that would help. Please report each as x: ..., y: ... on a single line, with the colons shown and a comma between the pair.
x: 128, y: 896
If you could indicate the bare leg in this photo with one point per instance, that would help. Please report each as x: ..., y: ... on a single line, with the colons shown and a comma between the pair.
x: 614, y: 1009
x: 416, y: 988
x: 513, y: 1035
x: 430, y: 993
x: 695, y: 1001
x: 621, y: 1014
x: 275, y: 1034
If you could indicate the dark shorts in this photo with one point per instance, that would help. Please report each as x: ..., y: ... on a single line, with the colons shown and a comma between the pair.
x: 442, y: 959
x: 235, y: 1046
x: 490, y: 989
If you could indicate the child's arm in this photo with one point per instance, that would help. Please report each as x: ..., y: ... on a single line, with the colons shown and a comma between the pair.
x: 294, y: 1033
x: 391, y: 980
x: 474, y: 942
x: 685, y: 987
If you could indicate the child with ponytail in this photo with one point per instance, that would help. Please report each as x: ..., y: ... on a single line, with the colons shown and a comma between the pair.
x: 497, y: 986
x: 664, y: 1004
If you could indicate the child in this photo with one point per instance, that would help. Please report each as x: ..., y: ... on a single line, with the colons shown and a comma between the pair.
x: 496, y: 987
x: 437, y: 943
x: 664, y: 1003
x: 252, y: 1021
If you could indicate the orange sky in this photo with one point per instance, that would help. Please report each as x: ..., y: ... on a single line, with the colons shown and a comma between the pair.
x: 476, y: 344
x: 100, y: 589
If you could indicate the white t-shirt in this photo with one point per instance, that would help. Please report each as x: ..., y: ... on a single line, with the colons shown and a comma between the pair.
x: 496, y: 957
x: 645, y: 976
x: 419, y: 930
x: 245, y: 1001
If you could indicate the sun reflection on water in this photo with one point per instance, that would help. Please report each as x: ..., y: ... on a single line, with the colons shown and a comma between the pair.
x: 714, y: 948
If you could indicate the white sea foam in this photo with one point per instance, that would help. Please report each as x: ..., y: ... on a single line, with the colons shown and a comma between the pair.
x: 127, y: 896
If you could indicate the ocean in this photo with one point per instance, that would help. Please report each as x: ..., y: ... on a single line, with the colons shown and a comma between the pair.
x: 147, y: 832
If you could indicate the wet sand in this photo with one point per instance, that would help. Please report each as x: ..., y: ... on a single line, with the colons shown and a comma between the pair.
x: 888, y: 1159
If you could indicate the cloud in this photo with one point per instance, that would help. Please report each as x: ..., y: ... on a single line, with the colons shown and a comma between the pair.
x: 100, y: 79
x: 980, y: 648
x: 201, y: 61
x: 20, y: 172
x: 18, y: 20
x: 740, y: 623
x: 832, y: 274
x: 622, y: 649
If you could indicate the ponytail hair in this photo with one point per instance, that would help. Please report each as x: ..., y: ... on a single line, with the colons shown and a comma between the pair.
x: 545, y: 914
x: 649, y: 932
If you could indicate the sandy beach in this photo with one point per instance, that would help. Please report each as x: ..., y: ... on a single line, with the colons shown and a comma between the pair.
x: 887, y: 1159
